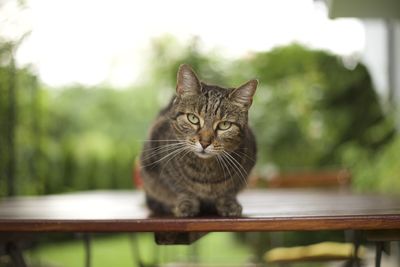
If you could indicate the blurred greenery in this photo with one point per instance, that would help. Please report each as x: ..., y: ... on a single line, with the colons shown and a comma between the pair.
x: 310, y: 105
x: 311, y: 112
x: 121, y: 250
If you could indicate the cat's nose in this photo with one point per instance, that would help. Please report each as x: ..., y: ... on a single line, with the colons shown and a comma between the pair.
x: 205, y: 137
x: 205, y: 143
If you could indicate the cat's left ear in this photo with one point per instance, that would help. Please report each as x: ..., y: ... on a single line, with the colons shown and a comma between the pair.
x: 243, y: 95
x: 187, y: 81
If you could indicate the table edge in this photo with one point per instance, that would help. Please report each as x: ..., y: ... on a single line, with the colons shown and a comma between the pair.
x: 209, y: 224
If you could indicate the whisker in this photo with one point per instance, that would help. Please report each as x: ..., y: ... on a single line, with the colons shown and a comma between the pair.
x: 179, y: 151
x: 231, y: 165
x: 158, y: 140
x: 187, y: 152
x: 223, y: 165
x: 166, y: 156
x: 239, y: 153
x: 161, y: 146
x: 238, y: 163
x: 220, y: 165
x: 161, y: 150
x: 234, y: 163
x: 235, y: 160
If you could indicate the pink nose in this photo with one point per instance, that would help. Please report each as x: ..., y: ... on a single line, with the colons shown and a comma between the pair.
x: 205, y: 137
x: 205, y: 143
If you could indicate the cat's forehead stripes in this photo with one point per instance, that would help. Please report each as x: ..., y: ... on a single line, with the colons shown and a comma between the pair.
x: 213, y: 98
x: 211, y: 104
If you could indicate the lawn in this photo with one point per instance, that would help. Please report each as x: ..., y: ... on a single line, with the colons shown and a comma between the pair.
x: 120, y: 250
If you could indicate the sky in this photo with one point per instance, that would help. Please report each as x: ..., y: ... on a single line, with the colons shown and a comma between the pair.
x: 91, y: 42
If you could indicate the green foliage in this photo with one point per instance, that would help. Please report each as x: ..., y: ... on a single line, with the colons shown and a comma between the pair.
x: 119, y: 250
x: 167, y: 54
x: 309, y: 108
x: 95, y: 135
x: 310, y: 112
x: 378, y: 171
x: 309, y: 105
x: 8, y: 108
x: 70, y: 139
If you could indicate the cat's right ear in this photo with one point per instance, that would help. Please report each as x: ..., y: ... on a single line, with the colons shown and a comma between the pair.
x: 187, y: 81
x: 243, y: 96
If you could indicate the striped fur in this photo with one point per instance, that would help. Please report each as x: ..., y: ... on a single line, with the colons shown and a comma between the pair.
x: 191, y: 163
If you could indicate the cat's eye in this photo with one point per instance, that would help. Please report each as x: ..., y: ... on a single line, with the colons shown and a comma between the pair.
x: 193, y: 118
x: 225, y: 125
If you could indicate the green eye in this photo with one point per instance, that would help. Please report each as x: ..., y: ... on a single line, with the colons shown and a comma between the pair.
x: 193, y: 118
x: 225, y: 125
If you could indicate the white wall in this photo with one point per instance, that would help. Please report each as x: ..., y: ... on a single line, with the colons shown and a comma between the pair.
x: 376, y: 57
x: 375, y: 54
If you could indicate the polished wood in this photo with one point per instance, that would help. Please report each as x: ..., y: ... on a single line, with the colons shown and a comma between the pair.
x: 263, y: 210
x: 320, y: 179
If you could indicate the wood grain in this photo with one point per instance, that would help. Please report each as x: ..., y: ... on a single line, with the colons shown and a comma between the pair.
x: 263, y: 210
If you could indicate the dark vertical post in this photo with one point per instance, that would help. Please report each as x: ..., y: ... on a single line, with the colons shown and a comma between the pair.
x: 391, y: 61
x: 136, y: 251
x: 16, y: 255
x: 378, y: 255
x: 88, y: 252
x: 36, y: 160
x: 10, y: 130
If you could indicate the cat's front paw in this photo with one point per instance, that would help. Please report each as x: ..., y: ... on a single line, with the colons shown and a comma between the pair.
x: 228, y: 207
x: 187, y: 208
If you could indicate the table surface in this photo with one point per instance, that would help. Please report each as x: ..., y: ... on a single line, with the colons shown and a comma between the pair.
x: 263, y: 210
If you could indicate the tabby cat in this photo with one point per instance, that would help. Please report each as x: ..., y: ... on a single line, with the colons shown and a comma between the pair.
x: 200, y: 150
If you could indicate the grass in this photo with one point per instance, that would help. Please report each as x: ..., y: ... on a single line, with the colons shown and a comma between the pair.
x: 119, y: 250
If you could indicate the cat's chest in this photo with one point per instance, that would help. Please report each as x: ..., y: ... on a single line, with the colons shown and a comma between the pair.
x: 206, y: 181
x: 200, y: 171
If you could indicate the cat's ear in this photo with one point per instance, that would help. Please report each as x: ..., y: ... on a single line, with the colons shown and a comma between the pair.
x: 243, y: 95
x: 187, y: 81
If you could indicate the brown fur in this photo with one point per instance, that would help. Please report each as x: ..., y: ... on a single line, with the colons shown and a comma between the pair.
x: 191, y: 163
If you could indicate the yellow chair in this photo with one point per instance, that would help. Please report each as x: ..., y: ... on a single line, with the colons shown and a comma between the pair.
x: 325, y: 251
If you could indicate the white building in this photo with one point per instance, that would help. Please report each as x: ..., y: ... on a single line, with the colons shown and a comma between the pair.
x: 382, y: 38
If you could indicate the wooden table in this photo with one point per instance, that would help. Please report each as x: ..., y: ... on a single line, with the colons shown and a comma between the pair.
x: 263, y: 210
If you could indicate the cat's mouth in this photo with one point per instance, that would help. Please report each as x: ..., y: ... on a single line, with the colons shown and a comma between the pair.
x: 204, y: 154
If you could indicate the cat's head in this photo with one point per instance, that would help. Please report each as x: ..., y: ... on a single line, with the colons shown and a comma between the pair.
x: 211, y: 120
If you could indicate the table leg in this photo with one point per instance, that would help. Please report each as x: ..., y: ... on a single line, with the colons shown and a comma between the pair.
x: 88, y: 252
x: 177, y: 238
x: 378, y: 254
x: 16, y: 255
x: 356, y: 237
x: 356, y: 260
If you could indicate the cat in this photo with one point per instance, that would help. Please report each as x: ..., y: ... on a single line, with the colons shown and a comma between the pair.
x: 200, y: 149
